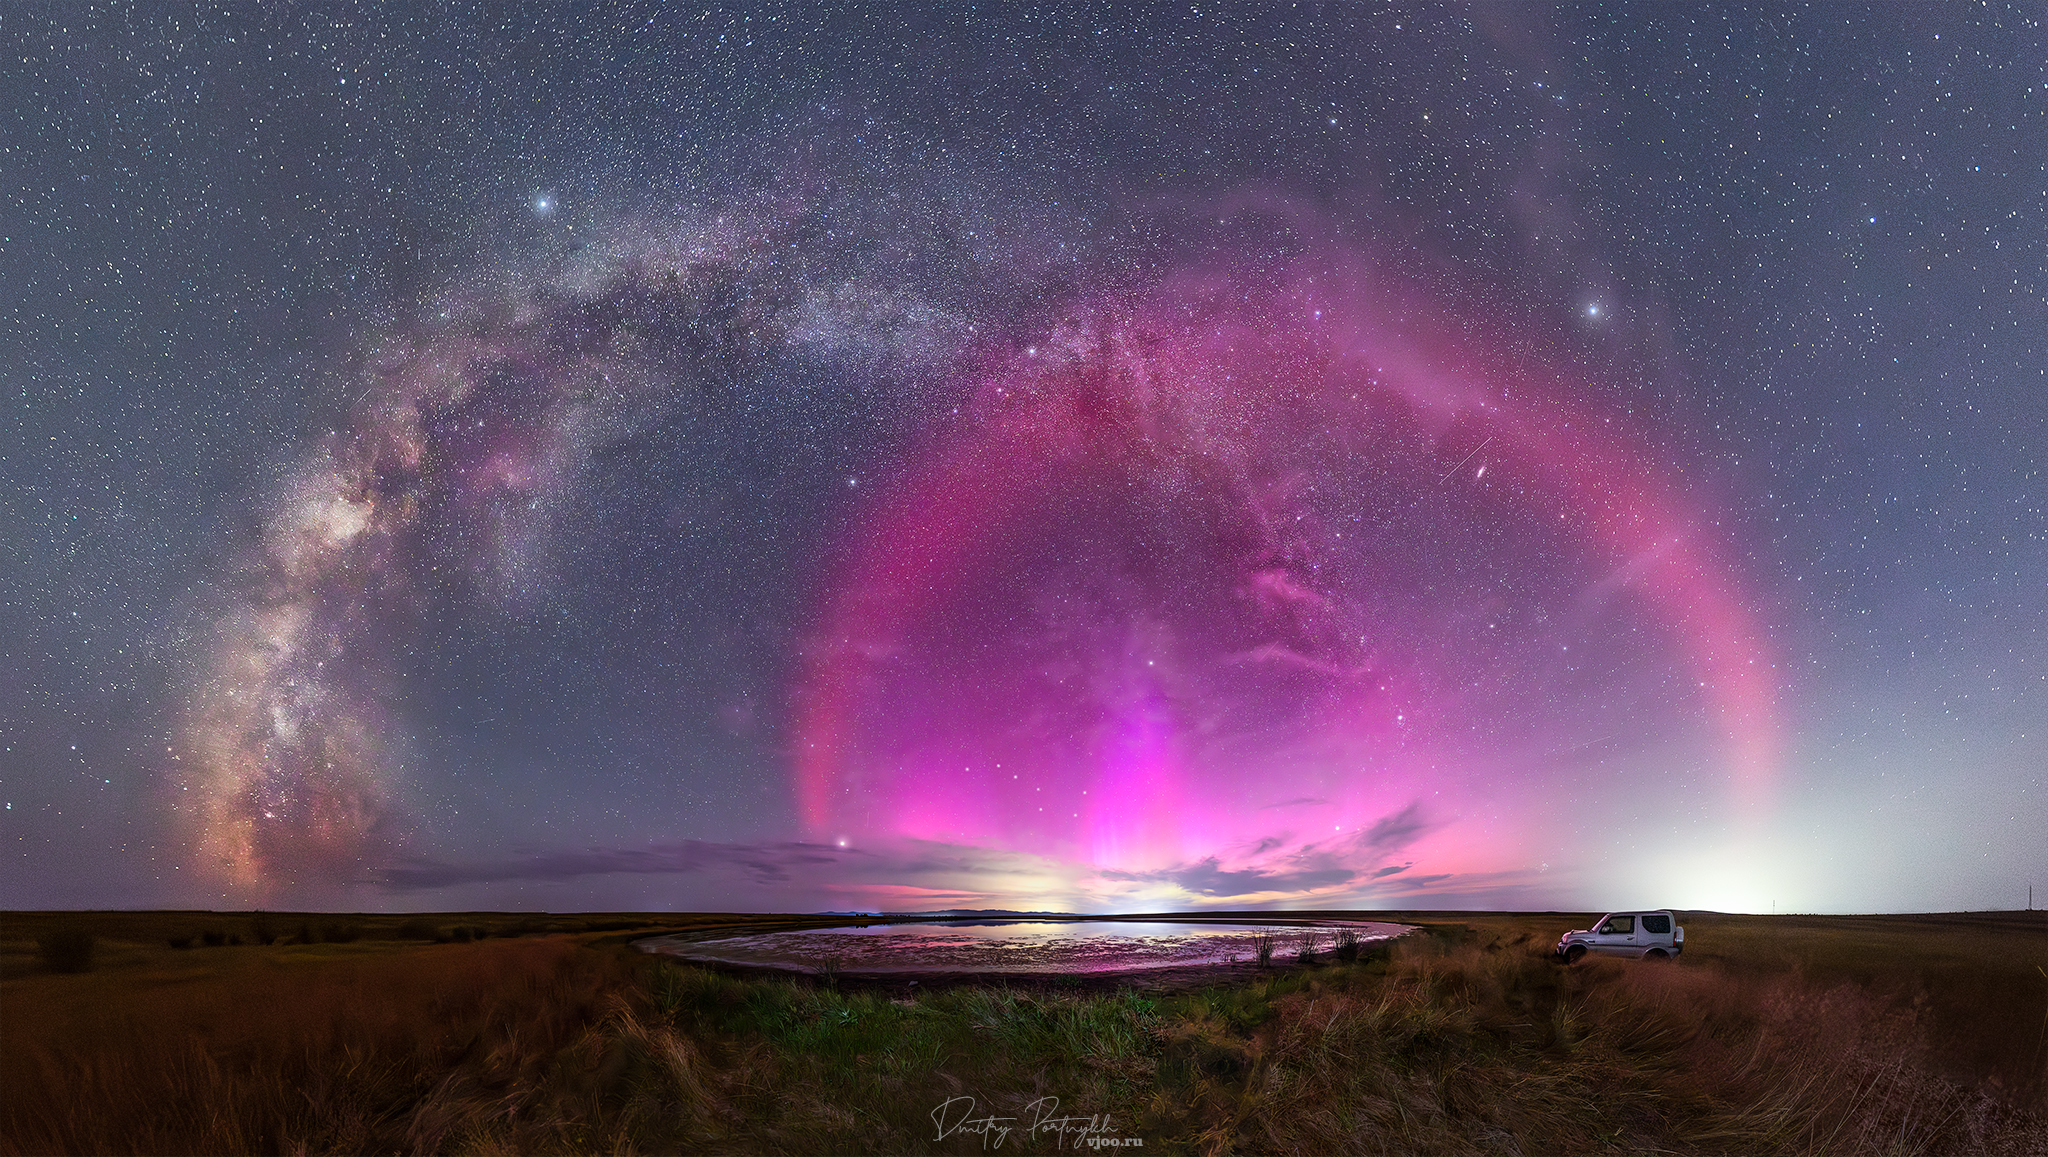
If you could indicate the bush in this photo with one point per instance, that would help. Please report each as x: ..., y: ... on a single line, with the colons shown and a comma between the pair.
x: 180, y: 942
x: 66, y: 950
x: 416, y: 929
x: 341, y: 933
x: 1305, y: 947
x: 1347, y: 944
x: 461, y: 935
x: 1262, y: 945
x: 261, y: 932
x: 214, y: 939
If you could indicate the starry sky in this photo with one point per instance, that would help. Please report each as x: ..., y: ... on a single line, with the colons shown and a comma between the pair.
x: 1088, y: 457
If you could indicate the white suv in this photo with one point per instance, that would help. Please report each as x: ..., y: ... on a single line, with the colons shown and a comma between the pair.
x: 1642, y: 935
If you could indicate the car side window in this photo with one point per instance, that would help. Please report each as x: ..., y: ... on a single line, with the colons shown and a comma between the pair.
x: 1619, y: 925
x: 1661, y: 925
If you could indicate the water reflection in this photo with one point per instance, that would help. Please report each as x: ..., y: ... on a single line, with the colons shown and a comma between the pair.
x: 1015, y: 947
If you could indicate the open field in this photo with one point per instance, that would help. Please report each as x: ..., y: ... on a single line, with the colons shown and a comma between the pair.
x: 516, y: 1033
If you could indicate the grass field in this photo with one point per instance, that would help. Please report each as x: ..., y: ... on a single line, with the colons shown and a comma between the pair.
x: 494, y: 1033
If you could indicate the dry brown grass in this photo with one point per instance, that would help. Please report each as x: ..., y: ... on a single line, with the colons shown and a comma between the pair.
x: 1475, y: 1049
x: 1976, y: 984
x: 275, y: 1051
x: 1789, y: 1040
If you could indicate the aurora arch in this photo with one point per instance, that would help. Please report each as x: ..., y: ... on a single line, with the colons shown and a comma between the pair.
x: 1211, y: 549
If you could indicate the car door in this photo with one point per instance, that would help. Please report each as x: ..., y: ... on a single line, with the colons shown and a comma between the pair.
x: 1616, y: 936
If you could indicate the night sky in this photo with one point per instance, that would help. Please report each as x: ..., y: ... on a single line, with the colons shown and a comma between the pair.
x: 1109, y: 459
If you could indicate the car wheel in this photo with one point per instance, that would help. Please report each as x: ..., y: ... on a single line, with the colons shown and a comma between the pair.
x: 1573, y: 954
x: 1656, y: 954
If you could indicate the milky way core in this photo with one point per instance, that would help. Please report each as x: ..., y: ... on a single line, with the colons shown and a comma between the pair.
x: 1237, y: 588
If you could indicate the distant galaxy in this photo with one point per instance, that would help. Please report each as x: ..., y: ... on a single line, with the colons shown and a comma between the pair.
x: 790, y: 459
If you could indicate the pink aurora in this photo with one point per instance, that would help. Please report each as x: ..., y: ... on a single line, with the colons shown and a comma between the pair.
x: 1265, y: 591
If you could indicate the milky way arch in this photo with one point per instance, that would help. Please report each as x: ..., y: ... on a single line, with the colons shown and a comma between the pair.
x: 448, y: 484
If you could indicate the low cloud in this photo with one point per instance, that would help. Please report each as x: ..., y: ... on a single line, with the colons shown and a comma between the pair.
x: 424, y: 874
x: 782, y: 875
x: 763, y: 862
x: 917, y: 875
x: 1394, y: 832
x: 1208, y: 877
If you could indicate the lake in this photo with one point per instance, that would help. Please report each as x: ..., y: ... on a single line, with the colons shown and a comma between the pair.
x: 1010, y: 947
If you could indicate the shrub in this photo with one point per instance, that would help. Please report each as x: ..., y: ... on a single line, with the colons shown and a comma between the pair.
x: 1305, y: 948
x: 66, y: 949
x: 214, y: 939
x: 341, y: 933
x: 180, y: 942
x: 260, y: 931
x: 1347, y: 944
x: 1263, y: 944
x: 461, y: 934
x: 416, y: 929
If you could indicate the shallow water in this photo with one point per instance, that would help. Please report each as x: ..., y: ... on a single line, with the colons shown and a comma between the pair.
x: 1008, y: 947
